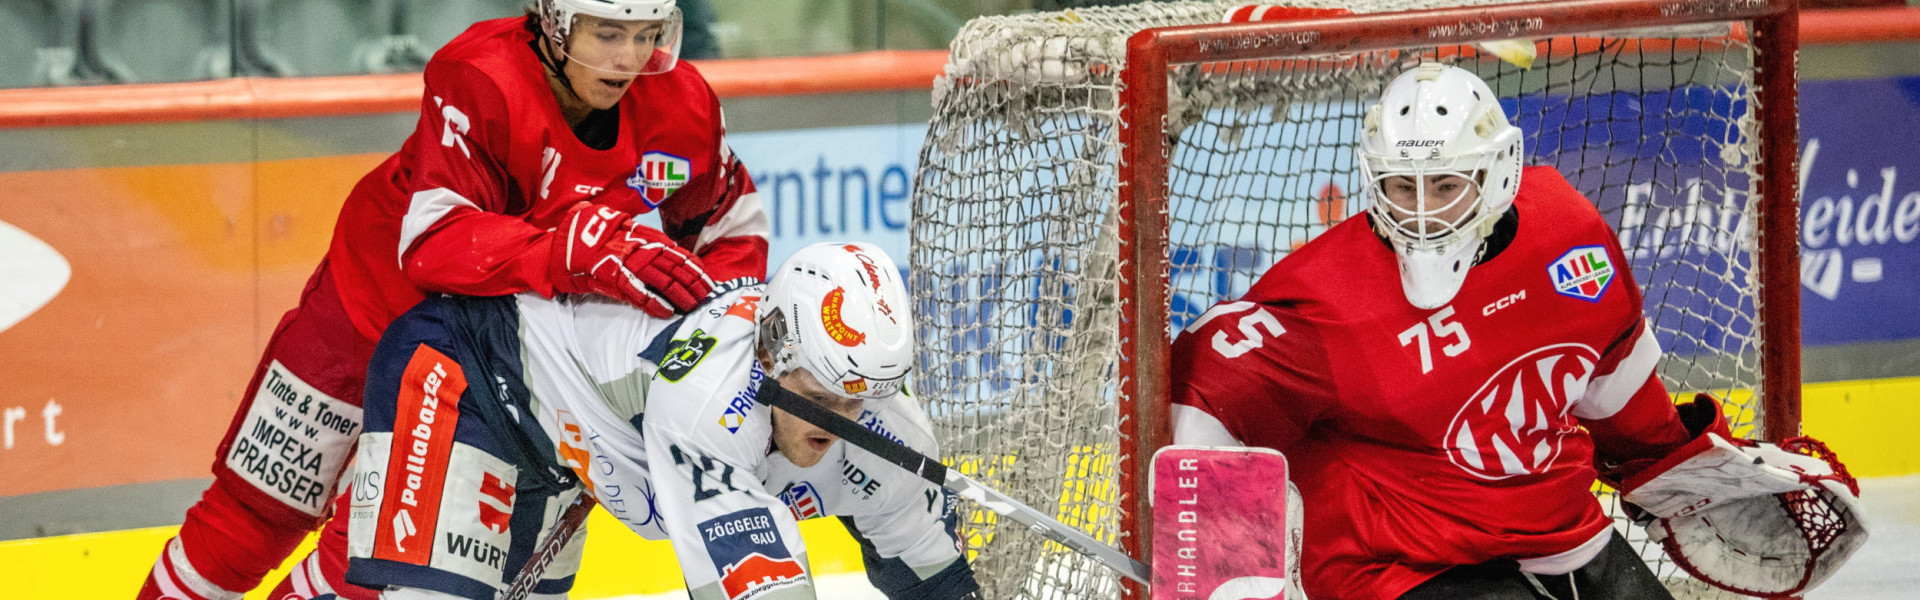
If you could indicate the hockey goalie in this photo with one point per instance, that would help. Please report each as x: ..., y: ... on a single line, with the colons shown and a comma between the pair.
x: 1448, y: 376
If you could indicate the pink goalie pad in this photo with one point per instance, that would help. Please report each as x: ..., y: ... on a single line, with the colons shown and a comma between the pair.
x: 1220, y: 524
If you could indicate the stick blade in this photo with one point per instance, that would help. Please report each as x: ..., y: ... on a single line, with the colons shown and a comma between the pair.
x: 1220, y: 525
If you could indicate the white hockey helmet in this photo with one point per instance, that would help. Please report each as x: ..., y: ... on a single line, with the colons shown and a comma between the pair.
x: 1437, y: 120
x: 557, y: 20
x: 839, y: 310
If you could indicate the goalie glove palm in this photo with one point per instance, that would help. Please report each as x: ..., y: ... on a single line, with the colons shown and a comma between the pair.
x: 603, y: 251
x: 1716, y: 467
x: 1746, y: 516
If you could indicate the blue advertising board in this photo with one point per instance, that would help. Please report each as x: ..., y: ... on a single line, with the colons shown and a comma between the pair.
x: 1859, y: 222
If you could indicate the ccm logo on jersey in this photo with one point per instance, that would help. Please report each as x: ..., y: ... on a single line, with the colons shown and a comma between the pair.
x: 747, y: 548
x: 658, y: 176
x: 428, y: 412
x: 1515, y: 423
x: 1582, y: 272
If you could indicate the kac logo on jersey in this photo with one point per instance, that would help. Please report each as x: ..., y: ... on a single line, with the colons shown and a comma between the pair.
x: 747, y: 548
x: 803, y: 501
x: 1582, y: 272
x: 1515, y: 423
x: 685, y: 354
x: 658, y: 176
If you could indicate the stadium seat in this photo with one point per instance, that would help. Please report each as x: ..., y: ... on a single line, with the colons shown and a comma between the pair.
x: 157, y: 40
x: 37, y: 43
x: 430, y: 24
x: 316, y: 37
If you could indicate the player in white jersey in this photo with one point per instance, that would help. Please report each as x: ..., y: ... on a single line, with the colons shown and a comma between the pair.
x: 486, y: 416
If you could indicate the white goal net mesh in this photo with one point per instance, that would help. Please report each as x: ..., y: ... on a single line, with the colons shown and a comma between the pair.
x: 1015, y: 249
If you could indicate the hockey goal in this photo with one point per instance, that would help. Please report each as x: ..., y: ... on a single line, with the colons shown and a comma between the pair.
x: 1093, y: 179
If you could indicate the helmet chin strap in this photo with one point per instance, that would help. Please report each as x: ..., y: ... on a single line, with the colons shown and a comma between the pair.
x: 556, y: 66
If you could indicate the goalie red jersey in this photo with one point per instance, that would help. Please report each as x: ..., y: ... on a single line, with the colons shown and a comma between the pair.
x: 445, y: 210
x: 1425, y: 439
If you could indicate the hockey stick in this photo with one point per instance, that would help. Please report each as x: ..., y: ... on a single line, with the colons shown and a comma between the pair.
x: 927, y: 468
x: 563, y: 532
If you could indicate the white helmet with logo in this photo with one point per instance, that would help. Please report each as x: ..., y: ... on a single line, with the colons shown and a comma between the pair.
x: 557, y: 20
x: 1439, y: 120
x: 839, y: 310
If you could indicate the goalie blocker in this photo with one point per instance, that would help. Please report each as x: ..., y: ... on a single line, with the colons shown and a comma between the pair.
x: 1746, y: 516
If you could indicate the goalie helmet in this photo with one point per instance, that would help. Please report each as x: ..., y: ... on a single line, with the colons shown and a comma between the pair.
x: 839, y: 310
x: 558, y: 17
x: 1433, y: 123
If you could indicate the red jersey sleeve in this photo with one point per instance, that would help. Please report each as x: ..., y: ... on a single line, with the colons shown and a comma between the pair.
x: 455, y: 237
x: 720, y: 218
x: 1256, y: 369
x: 1626, y: 407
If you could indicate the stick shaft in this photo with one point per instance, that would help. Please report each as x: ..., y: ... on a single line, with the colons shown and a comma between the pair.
x: 563, y: 531
x: 927, y: 468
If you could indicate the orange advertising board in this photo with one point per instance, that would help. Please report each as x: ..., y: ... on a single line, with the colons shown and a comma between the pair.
x: 175, y: 275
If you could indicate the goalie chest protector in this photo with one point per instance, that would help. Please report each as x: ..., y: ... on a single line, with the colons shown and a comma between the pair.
x: 1422, y: 439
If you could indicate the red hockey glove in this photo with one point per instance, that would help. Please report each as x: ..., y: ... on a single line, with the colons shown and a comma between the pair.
x: 602, y: 251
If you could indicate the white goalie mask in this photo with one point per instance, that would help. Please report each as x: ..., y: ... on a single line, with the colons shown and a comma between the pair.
x: 839, y: 310
x: 1442, y: 165
x: 655, y: 50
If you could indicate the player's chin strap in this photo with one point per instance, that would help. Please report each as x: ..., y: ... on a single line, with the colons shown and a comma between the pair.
x: 772, y: 394
x: 557, y: 66
x: 1743, y: 515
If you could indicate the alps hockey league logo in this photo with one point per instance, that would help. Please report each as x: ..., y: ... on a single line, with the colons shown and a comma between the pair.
x: 1582, y: 272
x: 658, y: 176
x: 802, y: 500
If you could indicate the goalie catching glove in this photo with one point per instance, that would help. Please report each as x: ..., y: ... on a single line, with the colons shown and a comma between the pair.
x: 605, y: 252
x: 1746, y: 516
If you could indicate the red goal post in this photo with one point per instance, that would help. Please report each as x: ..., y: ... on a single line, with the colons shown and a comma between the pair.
x: 1144, y: 273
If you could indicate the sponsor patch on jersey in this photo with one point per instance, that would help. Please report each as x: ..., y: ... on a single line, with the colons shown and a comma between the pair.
x: 743, y: 401
x: 803, y: 501
x: 295, y: 441
x: 685, y: 354
x: 1515, y: 423
x: 572, y: 447
x: 658, y: 176
x: 1583, y: 272
x: 830, y: 311
x: 496, y: 503
x: 744, y: 308
x: 752, y: 558
x: 428, y: 415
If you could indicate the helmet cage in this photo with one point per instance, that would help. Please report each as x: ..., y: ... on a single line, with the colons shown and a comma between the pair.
x: 1422, y: 227
x: 560, y: 18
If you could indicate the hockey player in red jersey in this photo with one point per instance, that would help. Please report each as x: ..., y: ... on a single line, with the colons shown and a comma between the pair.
x: 539, y: 138
x: 1443, y: 374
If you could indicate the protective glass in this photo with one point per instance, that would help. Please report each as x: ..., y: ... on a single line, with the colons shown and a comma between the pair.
x: 624, y: 49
